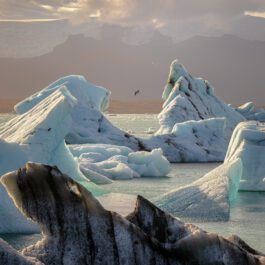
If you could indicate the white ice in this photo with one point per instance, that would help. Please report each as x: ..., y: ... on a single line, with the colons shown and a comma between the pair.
x: 251, y: 112
x: 208, y: 198
x: 248, y: 144
x: 37, y: 136
x: 89, y: 125
x: 188, y: 98
x: 119, y: 162
x: 86, y: 93
x: 193, y: 141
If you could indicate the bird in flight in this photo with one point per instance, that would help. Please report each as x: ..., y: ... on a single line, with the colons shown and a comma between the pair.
x: 136, y: 92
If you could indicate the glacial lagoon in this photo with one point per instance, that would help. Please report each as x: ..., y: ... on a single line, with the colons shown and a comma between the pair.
x: 247, y: 212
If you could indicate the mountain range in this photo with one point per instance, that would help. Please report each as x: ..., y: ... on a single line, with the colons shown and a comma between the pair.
x: 234, y: 66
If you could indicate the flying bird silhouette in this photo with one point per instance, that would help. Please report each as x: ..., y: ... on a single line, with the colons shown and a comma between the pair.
x: 136, y: 92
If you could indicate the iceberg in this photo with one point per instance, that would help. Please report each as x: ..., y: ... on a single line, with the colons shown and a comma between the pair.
x: 188, y: 98
x: 208, y: 198
x: 86, y: 93
x: 77, y: 230
x: 10, y: 256
x: 119, y: 162
x: 89, y: 125
x: 251, y: 112
x: 37, y: 136
x: 192, y: 141
x: 248, y: 144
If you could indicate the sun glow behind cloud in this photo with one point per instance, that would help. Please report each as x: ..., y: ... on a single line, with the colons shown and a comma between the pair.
x: 81, y: 10
x: 254, y: 14
x: 158, y: 23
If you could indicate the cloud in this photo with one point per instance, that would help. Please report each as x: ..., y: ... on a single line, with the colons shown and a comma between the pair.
x: 255, y: 14
x: 178, y: 17
x: 131, y: 11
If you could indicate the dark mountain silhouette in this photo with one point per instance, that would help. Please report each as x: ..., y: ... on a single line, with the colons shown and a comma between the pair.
x: 234, y: 66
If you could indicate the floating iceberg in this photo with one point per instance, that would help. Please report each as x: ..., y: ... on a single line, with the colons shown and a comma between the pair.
x: 37, y: 136
x: 86, y: 93
x: 77, y: 230
x: 119, y: 162
x: 208, y: 198
x: 248, y: 144
x: 192, y: 141
x: 250, y: 112
x: 187, y: 98
x: 89, y: 125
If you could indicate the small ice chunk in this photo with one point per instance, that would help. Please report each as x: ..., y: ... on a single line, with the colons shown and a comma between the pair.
x: 119, y: 162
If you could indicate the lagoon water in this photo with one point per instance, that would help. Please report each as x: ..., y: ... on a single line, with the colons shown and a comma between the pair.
x: 247, y: 213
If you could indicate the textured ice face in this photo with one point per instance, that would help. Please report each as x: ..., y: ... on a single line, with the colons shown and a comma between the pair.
x: 38, y: 197
x: 89, y: 125
x: 86, y: 93
x: 188, y: 98
x: 248, y: 144
x: 251, y: 112
x: 193, y: 141
x: 118, y: 162
x: 208, y: 198
x: 37, y: 135
x: 77, y: 230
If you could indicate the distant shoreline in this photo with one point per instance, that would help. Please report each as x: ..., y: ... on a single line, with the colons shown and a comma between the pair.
x: 116, y: 106
x: 137, y: 107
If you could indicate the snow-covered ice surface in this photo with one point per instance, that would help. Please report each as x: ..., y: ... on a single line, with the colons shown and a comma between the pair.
x: 251, y: 112
x: 86, y: 94
x: 188, y: 98
x: 37, y: 136
x: 192, y: 141
x: 248, y: 144
x: 78, y: 230
x: 118, y: 162
x: 208, y: 198
x: 89, y: 125
x: 205, y: 142
x: 4, y: 117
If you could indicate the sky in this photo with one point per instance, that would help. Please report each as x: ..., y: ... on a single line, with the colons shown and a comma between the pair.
x: 31, y: 28
x: 179, y: 18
